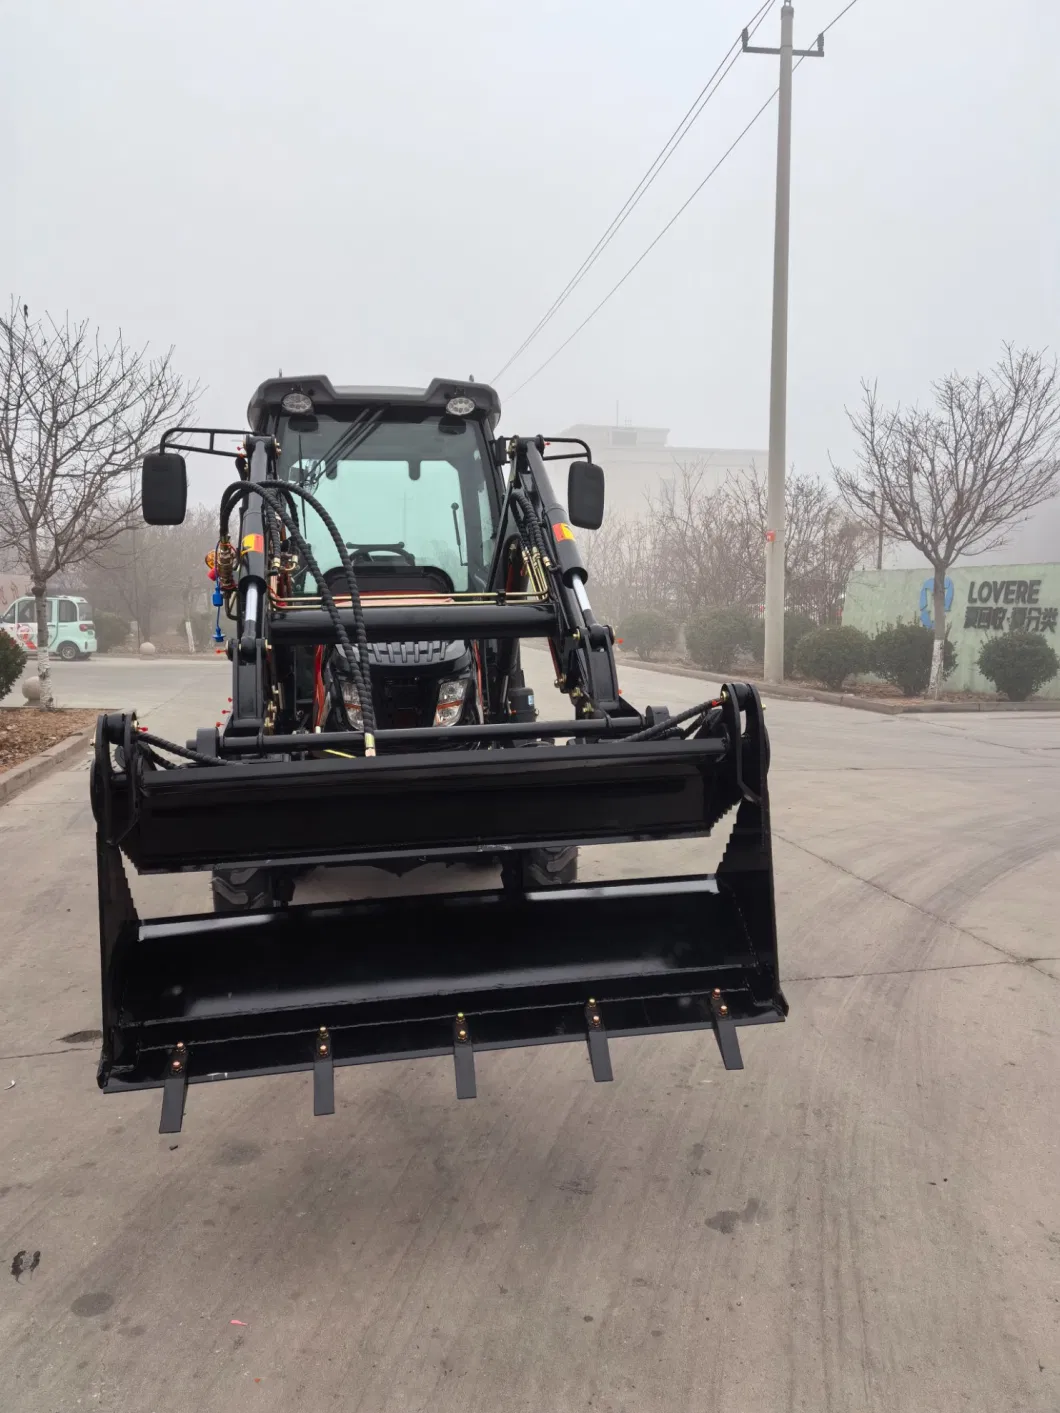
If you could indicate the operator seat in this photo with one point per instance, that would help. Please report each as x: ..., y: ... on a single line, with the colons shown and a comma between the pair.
x: 373, y: 578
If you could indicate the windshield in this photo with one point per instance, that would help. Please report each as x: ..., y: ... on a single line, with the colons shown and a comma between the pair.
x: 419, y: 485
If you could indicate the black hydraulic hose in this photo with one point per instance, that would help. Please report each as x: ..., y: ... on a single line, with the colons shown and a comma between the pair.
x: 665, y: 727
x: 163, y: 745
x: 533, y: 523
x: 288, y: 490
x: 367, y: 707
x: 273, y: 496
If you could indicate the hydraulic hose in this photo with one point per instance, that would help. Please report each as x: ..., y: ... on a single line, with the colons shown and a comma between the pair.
x: 277, y: 498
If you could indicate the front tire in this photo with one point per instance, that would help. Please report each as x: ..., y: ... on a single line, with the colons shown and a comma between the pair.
x: 540, y: 868
x: 249, y: 890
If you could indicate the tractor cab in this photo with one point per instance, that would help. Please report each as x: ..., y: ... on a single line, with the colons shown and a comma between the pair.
x: 416, y: 494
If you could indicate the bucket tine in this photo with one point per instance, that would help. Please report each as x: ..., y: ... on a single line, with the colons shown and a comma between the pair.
x: 599, y: 1051
x: 174, y: 1091
x: 464, y: 1059
x: 323, y: 1074
x: 725, y: 1031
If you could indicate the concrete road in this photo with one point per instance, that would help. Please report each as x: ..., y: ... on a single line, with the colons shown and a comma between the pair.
x: 866, y: 1218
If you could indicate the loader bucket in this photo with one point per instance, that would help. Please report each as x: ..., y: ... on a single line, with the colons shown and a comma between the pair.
x: 197, y: 998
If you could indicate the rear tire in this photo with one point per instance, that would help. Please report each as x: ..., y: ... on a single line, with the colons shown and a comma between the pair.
x: 68, y: 652
x: 248, y: 890
x: 540, y: 868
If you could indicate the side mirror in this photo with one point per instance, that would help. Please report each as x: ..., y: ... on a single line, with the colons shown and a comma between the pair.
x: 164, y: 488
x: 585, y: 495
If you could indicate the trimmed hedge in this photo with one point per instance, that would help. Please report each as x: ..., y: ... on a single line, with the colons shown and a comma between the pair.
x: 111, y: 630
x: 716, y: 635
x: 647, y: 630
x: 901, y: 655
x: 796, y: 626
x: 831, y: 655
x: 1018, y: 664
x: 12, y: 660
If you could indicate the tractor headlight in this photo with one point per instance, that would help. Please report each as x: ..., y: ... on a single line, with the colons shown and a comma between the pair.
x: 351, y: 700
x: 451, y: 694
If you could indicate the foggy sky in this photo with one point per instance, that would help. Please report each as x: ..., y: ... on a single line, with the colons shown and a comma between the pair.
x: 390, y: 192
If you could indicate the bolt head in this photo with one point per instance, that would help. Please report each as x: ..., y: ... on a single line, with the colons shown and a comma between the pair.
x: 724, y: 1010
x: 323, y: 1049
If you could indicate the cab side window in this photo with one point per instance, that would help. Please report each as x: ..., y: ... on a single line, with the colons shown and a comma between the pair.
x: 27, y: 611
x: 9, y: 616
x: 67, y: 611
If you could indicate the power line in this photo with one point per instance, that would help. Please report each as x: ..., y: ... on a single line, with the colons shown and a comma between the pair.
x: 673, y: 219
x: 671, y: 145
x: 838, y: 17
x: 645, y: 253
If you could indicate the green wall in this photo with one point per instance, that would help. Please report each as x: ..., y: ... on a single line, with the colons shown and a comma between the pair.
x: 985, y: 601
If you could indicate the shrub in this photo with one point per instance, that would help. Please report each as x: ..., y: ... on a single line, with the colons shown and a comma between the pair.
x: 111, y: 630
x: 12, y: 660
x: 1018, y: 664
x: 901, y: 655
x: 202, y: 630
x: 796, y: 626
x: 647, y: 630
x: 716, y: 635
x: 830, y: 655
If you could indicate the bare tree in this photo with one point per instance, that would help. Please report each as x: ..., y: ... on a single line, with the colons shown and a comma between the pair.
x: 76, y: 416
x: 714, y: 536
x: 711, y: 549
x: 823, y: 542
x: 954, y: 478
x: 149, y: 572
x: 628, y: 568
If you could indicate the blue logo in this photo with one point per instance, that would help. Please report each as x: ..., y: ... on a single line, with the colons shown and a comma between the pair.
x: 927, y: 592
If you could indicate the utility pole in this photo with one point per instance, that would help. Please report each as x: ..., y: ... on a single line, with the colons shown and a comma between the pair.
x: 778, y: 377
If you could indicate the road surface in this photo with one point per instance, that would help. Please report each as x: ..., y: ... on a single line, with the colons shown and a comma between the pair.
x: 866, y: 1218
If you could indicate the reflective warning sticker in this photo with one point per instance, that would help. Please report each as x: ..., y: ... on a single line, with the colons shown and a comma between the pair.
x: 254, y: 543
x: 562, y: 531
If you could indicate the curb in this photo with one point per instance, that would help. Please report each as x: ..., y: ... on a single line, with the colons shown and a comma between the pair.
x: 28, y: 772
x: 882, y: 706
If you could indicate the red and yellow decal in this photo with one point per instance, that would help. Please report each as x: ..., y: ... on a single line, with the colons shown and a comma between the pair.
x: 254, y: 544
x: 562, y: 531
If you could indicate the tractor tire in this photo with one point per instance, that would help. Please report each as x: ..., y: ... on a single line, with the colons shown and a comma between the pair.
x: 68, y: 652
x: 540, y: 868
x: 247, y: 890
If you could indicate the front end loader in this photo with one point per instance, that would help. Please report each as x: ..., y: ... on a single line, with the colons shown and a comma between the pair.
x: 380, y: 556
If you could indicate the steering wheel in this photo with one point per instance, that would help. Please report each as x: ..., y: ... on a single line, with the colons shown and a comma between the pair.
x: 394, y: 552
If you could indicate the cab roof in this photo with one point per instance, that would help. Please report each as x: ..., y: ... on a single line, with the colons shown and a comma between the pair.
x: 326, y: 397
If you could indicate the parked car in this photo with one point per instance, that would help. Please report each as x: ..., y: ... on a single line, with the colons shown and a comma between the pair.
x: 71, y: 634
